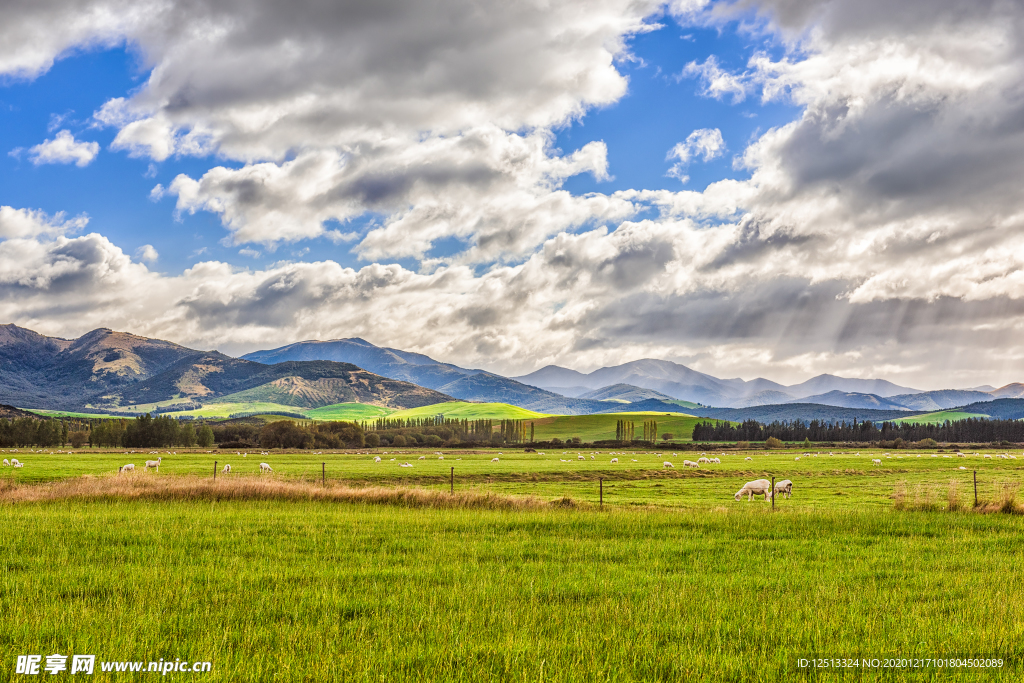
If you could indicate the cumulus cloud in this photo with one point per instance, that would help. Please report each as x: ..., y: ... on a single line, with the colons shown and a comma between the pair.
x: 147, y: 253
x: 880, y: 227
x: 26, y: 223
x: 64, y: 149
x: 705, y: 143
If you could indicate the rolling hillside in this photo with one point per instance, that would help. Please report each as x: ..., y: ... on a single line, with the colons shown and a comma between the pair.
x: 470, y: 411
x: 216, y: 376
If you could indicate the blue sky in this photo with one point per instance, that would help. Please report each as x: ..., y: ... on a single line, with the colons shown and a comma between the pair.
x: 433, y: 177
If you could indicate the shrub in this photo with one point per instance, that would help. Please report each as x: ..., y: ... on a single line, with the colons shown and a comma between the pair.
x: 556, y: 441
x: 773, y: 442
x: 78, y: 439
x: 372, y: 440
x: 433, y: 440
x: 399, y: 440
x: 667, y: 436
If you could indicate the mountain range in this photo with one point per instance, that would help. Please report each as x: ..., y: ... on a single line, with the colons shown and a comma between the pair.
x: 108, y: 370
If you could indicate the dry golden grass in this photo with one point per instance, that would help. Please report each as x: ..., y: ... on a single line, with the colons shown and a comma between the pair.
x: 259, y: 488
x: 927, y: 499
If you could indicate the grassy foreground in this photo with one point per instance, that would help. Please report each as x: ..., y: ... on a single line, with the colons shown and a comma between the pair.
x: 316, y: 591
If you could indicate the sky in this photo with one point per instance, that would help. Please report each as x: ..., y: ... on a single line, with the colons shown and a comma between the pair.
x: 775, y: 188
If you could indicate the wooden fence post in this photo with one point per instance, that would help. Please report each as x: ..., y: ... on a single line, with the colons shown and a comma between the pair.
x: 773, y: 494
x: 215, y: 470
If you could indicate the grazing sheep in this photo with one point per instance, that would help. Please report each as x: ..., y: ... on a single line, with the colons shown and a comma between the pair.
x: 227, y: 469
x: 690, y: 463
x: 405, y: 464
x: 758, y: 487
x: 668, y: 464
x: 785, y: 487
x: 580, y: 457
x: 14, y: 461
x: 19, y: 464
x: 377, y: 459
x: 716, y: 461
x: 422, y: 457
x: 962, y: 467
x: 264, y: 467
x: 154, y: 464
x: 796, y: 458
x: 130, y: 467
x: 615, y: 459
x: 876, y: 461
x: 702, y: 461
x: 7, y: 463
x: 748, y: 458
x: 440, y: 457
x: 494, y: 460
x: 987, y: 456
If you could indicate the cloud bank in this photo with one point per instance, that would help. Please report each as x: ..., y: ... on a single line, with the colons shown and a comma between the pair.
x: 878, y: 233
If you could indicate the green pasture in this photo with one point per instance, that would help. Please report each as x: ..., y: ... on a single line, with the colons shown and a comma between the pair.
x: 602, y: 427
x: 347, y: 411
x: 215, y: 410
x: 65, y: 413
x: 822, y: 482
x: 939, y: 417
x: 469, y: 411
x: 307, y: 591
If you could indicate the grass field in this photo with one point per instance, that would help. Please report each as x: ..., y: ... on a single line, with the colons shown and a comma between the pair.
x: 939, y: 417
x: 65, y: 413
x: 215, y: 410
x: 602, y: 427
x: 469, y: 411
x: 688, y: 586
x: 347, y: 411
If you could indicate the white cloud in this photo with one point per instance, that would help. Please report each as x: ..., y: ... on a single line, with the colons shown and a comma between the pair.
x: 705, y: 143
x: 147, y: 253
x: 27, y: 224
x: 64, y: 149
x: 880, y: 227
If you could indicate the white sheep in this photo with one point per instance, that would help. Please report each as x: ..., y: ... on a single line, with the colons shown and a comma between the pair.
x: 668, y: 464
x: 422, y: 457
x: 494, y: 460
x: 440, y: 457
x: 154, y: 464
x: 615, y: 459
x: 717, y: 461
x: 962, y: 467
x: 785, y: 487
x: 227, y: 469
x: 702, y: 461
x: 748, y: 458
x: 7, y: 463
x: 130, y: 467
x: 580, y: 457
x: 690, y: 463
x: 798, y: 457
x: 876, y: 461
x: 377, y: 459
x: 758, y: 487
x: 264, y: 467
x: 19, y: 464
x: 14, y: 461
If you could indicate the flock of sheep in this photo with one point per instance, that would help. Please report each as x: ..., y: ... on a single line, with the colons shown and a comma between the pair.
x: 155, y: 465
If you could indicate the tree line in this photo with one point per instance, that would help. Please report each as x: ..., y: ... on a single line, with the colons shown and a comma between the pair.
x: 969, y: 430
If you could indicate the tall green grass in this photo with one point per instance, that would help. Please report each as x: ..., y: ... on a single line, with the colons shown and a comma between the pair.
x: 310, y: 591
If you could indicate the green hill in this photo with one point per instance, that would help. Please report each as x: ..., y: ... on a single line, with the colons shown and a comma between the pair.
x: 470, y: 411
x: 601, y: 427
x: 939, y: 417
x: 347, y: 411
